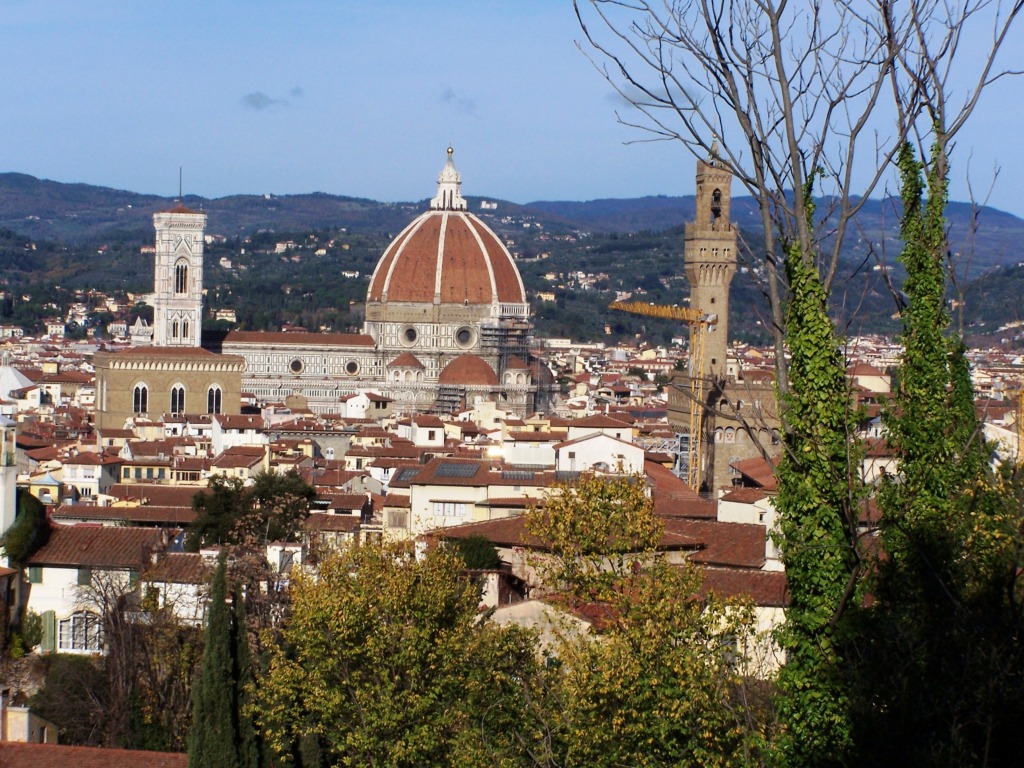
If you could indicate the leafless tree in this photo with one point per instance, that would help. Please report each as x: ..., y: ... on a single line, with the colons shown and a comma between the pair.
x: 800, y: 94
x: 148, y: 664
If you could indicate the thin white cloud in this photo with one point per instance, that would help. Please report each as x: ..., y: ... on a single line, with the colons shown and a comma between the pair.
x: 462, y: 102
x: 258, y: 100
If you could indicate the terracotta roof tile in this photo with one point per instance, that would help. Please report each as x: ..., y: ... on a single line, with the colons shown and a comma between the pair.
x: 475, y: 267
x: 101, y: 547
x: 321, y: 521
x: 180, y: 568
x: 468, y: 370
x: 141, y: 515
x: 765, y: 588
x: 758, y: 471
x: 18, y: 755
x: 406, y: 360
x: 15, y: 755
x: 157, y: 495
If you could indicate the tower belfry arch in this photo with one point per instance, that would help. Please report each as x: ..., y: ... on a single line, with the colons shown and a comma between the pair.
x: 738, y: 413
x: 709, y: 257
x: 178, y: 278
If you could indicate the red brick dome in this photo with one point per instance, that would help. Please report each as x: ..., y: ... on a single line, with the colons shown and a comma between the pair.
x: 447, y: 255
x: 451, y: 254
x: 468, y: 371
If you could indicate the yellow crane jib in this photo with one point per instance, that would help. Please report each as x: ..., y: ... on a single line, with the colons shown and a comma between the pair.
x: 699, y: 322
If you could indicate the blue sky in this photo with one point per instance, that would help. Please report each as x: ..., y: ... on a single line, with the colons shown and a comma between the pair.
x: 353, y: 98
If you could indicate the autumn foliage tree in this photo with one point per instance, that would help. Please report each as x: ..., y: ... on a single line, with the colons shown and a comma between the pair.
x: 661, y: 682
x: 384, y: 660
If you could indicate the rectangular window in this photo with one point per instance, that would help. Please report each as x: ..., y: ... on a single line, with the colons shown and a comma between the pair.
x: 35, y: 574
x: 84, y: 577
x: 449, y: 509
x: 79, y: 632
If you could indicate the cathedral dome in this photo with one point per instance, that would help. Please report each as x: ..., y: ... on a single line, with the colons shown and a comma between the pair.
x: 468, y: 370
x: 447, y: 256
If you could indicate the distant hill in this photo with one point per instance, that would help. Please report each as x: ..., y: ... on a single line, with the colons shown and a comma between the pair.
x: 50, y: 210
x: 85, y: 236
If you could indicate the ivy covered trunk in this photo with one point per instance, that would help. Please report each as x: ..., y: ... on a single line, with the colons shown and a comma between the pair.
x: 942, y: 678
x: 819, y: 494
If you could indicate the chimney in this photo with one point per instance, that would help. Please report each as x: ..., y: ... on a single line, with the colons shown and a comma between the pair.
x: 5, y: 694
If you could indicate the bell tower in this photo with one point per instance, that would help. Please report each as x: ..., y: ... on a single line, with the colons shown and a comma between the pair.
x: 178, y: 278
x: 709, y: 257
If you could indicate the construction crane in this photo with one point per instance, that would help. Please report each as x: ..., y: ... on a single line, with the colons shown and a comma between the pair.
x: 1019, y: 425
x: 699, y: 323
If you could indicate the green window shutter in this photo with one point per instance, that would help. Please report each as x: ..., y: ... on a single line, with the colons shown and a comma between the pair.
x: 49, y: 642
x: 84, y: 577
x: 35, y: 574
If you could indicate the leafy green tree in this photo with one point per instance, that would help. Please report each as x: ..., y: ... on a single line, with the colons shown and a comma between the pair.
x: 384, y: 660
x: 281, y: 503
x: 222, y: 734
x: 941, y: 676
x: 73, y: 696
x: 217, y: 512
x: 597, y: 531
x: 663, y: 684
x: 477, y: 552
x: 271, y: 509
x: 30, y: 529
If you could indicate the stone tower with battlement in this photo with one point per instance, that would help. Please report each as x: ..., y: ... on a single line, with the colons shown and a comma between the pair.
x: 178, y: 278
x: 709, y: 256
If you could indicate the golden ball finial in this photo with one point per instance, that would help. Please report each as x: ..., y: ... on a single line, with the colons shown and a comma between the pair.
x: 450, y: 150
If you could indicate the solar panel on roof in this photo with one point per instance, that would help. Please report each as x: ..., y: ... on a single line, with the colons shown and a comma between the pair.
x: 517, y: 474
x: 406, y: 474
x: 448, y: 469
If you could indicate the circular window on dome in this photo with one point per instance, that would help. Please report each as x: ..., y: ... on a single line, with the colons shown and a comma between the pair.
x: 351, y: 367
x: 465, y: 337
x: 409, y: 335
x: 296, y: 366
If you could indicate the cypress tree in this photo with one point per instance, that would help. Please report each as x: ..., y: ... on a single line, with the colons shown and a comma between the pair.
x: 222, y: 735
x: 941, y: 671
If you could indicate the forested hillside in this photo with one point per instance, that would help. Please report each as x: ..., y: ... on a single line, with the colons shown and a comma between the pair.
x: 575, y: 258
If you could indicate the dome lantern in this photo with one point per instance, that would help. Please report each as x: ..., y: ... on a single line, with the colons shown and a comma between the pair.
x: 449, y: 185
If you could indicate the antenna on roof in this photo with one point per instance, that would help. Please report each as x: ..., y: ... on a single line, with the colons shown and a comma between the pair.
x: 181, y: 198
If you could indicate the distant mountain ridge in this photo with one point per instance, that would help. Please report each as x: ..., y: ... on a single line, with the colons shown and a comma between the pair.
x: 43, y: 209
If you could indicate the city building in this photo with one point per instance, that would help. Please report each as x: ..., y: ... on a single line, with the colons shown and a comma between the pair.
x: 447, y: 326
x: 739, y: 417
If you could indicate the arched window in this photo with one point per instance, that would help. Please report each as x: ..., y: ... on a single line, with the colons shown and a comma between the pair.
x: 140, y: 399
x: 177, y: 399
x: 184, y: 329
x: 181, y: 277
x: 214, y: 400
x: 174, y: 329
x: 81, y: 632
